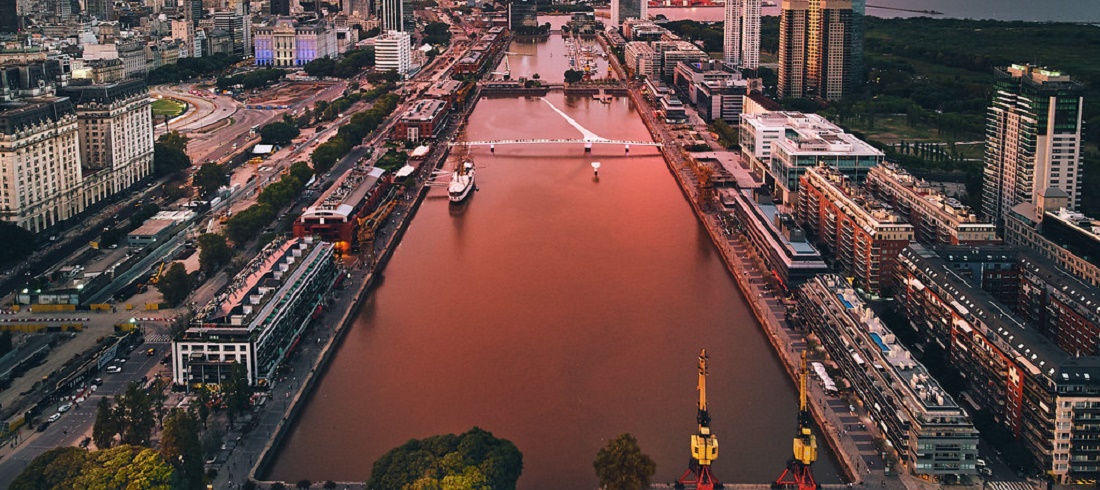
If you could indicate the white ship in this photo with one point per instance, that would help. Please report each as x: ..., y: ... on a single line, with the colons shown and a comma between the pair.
x: 462, y: 182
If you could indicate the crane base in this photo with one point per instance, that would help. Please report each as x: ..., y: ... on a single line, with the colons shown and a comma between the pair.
x: 797, y: 476
x: 699, y: 476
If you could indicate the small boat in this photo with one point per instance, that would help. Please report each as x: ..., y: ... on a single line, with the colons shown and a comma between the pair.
x: 462, y: 182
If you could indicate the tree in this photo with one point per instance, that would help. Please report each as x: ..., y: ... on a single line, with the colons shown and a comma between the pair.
x: 573, y: 76
x: 175, y: 284
x: 278, y: 133
x: 247, y: 224
x: 174, y: 140
x: 209, y: 178
x: 623, y: 466
x: 214, y: 252
x: 105, y: 428
x: 51, y: 469
x: 474, y: 460
x: 168, y: 160
x: 129, y: 467
x: 321, y: 67
x: 237, y: 391
x: 18, y: 243
x: 181, y: 447
x: 135, y: 415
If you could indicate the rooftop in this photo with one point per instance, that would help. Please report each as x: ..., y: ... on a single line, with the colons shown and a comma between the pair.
x: 916, y: 380
x: 810, y: 133
x: 344, y: 196
x: 424, y: 110
x: 853, y: 197
x: 919, y: 187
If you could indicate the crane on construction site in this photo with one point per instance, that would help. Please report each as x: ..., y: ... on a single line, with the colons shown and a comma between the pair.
x: 798, y: 472
x: 704, y: 443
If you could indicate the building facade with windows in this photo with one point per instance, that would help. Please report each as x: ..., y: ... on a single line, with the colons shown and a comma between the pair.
x: 425, y: 119
x: 40, y: 165
x: 289, y: 43
x: 1043, y: 395
x: 930, y: 432
x: 815, y: 49
x: 621, y: 10
x: 393, y: 51
x: 863, y: 234
x: 259, y: 318
x: 1070, y: 239
x: 1033, y: 139
x: 741, y: 36
x: 115, y: 123
x: 936, y: 218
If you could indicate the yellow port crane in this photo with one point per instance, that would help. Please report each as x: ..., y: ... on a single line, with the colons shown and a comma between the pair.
x: 798, y: 472
x: 704, y: 443
x: 370, y: 223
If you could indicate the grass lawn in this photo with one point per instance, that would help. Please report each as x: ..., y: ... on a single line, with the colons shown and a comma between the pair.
x: 168, y: 107
x: 893, y: 129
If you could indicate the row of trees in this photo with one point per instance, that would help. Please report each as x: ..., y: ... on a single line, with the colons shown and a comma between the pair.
x: 437, y: 33
x: 188, y: 68
x: 352, y: 134
x: 247, y: 224
x: 18, y: 244
x: 351, y: 64
x: 252, y: 79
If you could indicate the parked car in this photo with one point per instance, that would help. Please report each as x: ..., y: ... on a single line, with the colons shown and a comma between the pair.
x: 112, y: 369
x: 64, y: 407
x: 53, y: 417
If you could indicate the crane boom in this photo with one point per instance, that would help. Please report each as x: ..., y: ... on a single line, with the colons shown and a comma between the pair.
x: 704, y: 444
x: 804, y: 444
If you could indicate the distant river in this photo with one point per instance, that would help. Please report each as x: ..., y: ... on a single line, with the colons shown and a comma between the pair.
x: 1028, y: 10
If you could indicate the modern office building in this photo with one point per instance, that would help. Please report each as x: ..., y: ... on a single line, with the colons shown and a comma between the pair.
x: 741, y: 40
x: 713, y: 88
x: 290, y: 43
x: 1033, y: 138
x: 936, y: 218
x: 523, y: 14
x: 280, y: 7
x: 40, y: 168
x: 931, y: 434
x: 239, y: 29
x: 815, y: 49
x: 862, y: 234
x: 1069, y: 238
x: 622, y: 10
x: 1045, y: 396
x: 259, y: 318
x: 669, y: 53
x: 115, y: 123
x: 397, y: 15
x: 775, y: 235
x: 780, y: 146
x: 393, y: 51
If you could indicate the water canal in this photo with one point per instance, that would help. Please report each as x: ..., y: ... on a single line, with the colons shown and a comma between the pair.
x: 556, y: 310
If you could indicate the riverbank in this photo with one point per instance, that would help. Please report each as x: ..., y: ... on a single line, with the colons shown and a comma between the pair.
x: 849, y: 433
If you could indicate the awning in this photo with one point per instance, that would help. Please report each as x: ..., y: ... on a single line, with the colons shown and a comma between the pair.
x: 405, y: 171
x: 262, y: 149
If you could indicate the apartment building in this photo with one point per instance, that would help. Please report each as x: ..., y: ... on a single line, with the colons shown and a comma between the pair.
x: 1069, y: 238
x: 259, y: 318
x: 393, y: 51
x: 862, y: 234
x: 936, y: 218
x: 929, y: 431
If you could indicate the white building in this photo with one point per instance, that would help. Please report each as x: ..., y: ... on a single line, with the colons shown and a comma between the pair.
x: 393, y: 51
x: 641, y: 59
x: 116, y: 135
x: 780, y: 146
x: 259, y: 318
x: 291, y: 44
x: 741, y: 43
x: 40, y: 174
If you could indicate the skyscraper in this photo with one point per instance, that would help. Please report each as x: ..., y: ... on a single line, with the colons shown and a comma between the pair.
x: 741, y: 45
x: 280, y: 7
x: 397, y: 15
x: 815, y: 49
x: 9, y: 17
x: 522, y: 13
x: 628, y: 9
x: 1033, y: 138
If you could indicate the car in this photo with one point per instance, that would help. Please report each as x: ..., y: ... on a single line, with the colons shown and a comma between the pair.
x: 42, y: 427
x: 79, y: 400
x: 64, y: 407
x: 54, y: 417
x: 151, y: 352
x: 112, y: 369
x: 97, y: 381
x: 985, y: 471
x: 981, y: 463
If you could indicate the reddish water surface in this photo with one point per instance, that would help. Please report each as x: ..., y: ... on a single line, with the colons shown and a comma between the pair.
x: 556, y: 310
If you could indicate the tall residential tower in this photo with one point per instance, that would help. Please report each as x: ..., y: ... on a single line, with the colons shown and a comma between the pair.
x: 1033, y: 138
x: 741, y: 45
x: 815, y: 49
x: 628, y: 9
